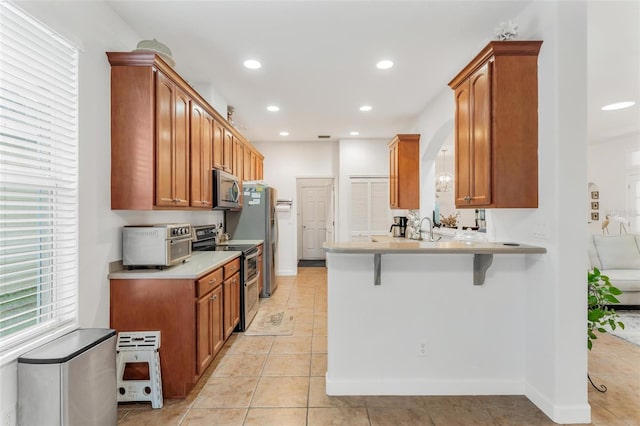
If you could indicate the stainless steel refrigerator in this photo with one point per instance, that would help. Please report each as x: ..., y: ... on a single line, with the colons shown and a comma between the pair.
x: 257, y: 221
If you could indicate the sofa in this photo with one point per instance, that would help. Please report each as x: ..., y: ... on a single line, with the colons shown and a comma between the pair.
x: 618, y: 257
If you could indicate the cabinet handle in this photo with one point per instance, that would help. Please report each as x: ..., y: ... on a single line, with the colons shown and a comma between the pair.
x: 214, y: 297
x: 213, y: 281
x: 234, y: 280
x: 468, y: 198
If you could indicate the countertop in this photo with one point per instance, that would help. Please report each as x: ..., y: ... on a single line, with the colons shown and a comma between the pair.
x: 199, y: 264
x: 234, y: 242
x: 406, y: 246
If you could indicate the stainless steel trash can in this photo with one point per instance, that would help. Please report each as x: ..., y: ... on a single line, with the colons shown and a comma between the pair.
x: 70, y: 380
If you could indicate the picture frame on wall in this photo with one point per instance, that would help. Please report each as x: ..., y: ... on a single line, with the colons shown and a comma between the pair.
x: 595, y: 195
x: 595, y: 216
x: 595, y: 205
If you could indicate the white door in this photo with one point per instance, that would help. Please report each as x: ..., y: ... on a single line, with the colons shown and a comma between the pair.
x: 315, y: 216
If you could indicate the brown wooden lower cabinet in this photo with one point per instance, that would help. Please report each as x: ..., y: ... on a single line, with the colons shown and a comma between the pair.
x: 189, y: 315
x: 231, y: 304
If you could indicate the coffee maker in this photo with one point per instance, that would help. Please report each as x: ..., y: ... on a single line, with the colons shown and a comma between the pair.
x: 399, y: 226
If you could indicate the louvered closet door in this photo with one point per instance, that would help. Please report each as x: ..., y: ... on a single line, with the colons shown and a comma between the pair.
x: 370, y: 212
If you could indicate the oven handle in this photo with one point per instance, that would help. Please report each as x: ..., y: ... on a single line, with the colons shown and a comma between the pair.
x: 253, y: 254
x: 255, y: 279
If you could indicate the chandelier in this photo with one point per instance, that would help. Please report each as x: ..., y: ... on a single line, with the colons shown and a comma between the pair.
x: 444, y: 181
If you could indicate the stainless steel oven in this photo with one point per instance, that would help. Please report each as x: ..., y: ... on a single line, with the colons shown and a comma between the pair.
x: 204, y: 240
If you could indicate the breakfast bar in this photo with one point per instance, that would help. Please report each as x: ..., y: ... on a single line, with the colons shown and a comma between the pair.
x: 404, y: 319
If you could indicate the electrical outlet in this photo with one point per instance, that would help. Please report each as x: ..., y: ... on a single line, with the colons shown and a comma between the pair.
x: 541, y: 230
x: 422, y: 349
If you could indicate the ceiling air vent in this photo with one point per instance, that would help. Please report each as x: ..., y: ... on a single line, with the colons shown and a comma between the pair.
x: 324, y: 137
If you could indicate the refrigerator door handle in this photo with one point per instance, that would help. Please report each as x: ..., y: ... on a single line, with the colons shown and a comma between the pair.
x: 275, y: 237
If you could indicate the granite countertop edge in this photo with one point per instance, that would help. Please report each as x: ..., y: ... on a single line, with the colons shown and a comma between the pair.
x: 200, y: 263
x: 425, y: 247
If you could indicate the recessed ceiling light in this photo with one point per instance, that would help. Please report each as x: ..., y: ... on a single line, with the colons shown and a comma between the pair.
x: 354, y: 133
x: 365, y: 108
x: 384, y: 64
x: 618, y: 105
x: 252, y: 64
x: 284, y: 133
x: 273, y: 108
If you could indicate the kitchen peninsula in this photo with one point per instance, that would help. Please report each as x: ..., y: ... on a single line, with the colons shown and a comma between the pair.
x: 405, y: 318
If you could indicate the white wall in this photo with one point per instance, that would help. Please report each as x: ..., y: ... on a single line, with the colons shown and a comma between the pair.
x: 554, y: 294
x: 284, y: 162
x: 608, y: 166
x: 358, y: 157
x: 95, y: 29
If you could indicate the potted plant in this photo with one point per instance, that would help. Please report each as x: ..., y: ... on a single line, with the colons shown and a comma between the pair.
x: 601, y: 316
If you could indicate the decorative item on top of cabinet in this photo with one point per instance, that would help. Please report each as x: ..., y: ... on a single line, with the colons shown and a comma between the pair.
x: 496, y: 129
x: 404, y: 172
x: 153, y: 128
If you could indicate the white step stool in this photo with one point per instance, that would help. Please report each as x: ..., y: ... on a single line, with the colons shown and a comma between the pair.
x: 135, y: 347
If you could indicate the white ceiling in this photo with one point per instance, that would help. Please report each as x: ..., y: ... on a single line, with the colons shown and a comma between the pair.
x: 318, y: 58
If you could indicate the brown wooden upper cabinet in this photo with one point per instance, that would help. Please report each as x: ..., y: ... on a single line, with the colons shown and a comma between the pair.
x: 238, y: 158
x: 201, y: 157
x: 172, y: 144
x: 227, y: 151
x: 404, y: 172
x: 165, y: 137
x: 218, y: 145
x: 496, y: 127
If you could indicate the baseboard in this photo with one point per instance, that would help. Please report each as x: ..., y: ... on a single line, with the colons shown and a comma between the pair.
x: 580, y: 413
x: 425, y: 387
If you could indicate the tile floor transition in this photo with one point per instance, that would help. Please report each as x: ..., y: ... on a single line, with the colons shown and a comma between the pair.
x: 279, y: 380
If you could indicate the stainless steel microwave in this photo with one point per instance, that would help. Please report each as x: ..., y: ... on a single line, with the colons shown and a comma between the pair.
x: 226, y: 191
x: 163, y: 244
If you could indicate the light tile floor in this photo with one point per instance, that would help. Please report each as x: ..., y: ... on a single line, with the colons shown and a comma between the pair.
x: 267, y: 380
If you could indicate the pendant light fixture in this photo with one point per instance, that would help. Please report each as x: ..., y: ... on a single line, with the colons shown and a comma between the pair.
x: 444, y: 180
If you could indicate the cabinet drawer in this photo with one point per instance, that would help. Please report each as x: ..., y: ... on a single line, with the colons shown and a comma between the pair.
x: 231, y: 268
x: 209, y: 282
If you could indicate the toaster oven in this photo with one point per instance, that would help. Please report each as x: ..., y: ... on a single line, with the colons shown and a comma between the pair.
x: 157, y: 245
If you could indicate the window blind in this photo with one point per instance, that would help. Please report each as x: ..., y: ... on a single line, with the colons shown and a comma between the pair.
x: 38, y: 179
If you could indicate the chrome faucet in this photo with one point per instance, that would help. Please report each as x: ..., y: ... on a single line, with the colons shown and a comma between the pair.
x: 430, y: 228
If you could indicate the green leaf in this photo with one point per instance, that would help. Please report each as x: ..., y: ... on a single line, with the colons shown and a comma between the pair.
x: 621, y: 324
x: 589, y: 344
x: 615, y: 290
x: 602, y: 330
x: 611, y: 299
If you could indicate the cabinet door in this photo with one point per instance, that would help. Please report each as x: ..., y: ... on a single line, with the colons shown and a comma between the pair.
x: 480, y: 90
x: 218, y: 145
x: 227, y: 151
x: 201, y: 157
x: 181, y: 149
x: 473, y: 140
x: 231, y: 304
x: 217, y: 309
x: 246, y: 166
x: 238, y: 158
x: 254, y: 166
x: 463, y: 145
x: 259, y: 169
x: 164, y: 140
x: 172, y: 144
x: 393, y: 176
x: 204, y: 328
